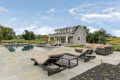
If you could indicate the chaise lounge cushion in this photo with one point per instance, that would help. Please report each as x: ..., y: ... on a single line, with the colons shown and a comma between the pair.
x: 75, y: 54
x: 94, y: 46
x: 55, y: 54
x: 79, y: 48
x: 82, y: 50
x: 40, y: 60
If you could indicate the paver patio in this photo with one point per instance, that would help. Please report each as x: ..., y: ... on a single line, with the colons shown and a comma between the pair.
x: 18, y: 66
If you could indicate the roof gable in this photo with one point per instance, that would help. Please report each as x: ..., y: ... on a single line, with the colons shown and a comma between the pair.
x: 74, y: 28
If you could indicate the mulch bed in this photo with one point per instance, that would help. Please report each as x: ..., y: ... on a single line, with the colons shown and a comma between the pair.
x: 103, y: 71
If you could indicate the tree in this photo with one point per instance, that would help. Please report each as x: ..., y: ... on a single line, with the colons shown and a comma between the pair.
x: 38, y: 36
x: 88, y: 33
x: 102, y: 36
x: 99, y: 36
x: 28, y: 35
x: 6, y: 33
x: 1, y: 32
x: 96, y: 37
x: 32, y: 35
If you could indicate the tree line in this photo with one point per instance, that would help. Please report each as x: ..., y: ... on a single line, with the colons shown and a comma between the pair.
x: 7, y: 33
x: 29, y: 35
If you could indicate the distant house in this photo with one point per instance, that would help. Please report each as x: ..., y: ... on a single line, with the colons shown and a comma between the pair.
x: 70, y: 35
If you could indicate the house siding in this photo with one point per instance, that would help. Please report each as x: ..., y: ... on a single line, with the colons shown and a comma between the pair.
x: 79, y: 33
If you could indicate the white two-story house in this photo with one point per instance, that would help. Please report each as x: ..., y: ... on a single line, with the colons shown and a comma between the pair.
x: 70, y: 35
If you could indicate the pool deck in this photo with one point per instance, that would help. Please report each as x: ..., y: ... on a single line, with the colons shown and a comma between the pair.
x: 18, y: 66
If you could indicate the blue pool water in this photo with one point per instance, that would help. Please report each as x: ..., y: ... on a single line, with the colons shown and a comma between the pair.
x: 26, y: 48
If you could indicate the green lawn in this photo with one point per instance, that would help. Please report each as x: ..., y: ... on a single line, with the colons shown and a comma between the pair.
x: 74, y: 46
x: 115, y: 42
x: 36, y: 41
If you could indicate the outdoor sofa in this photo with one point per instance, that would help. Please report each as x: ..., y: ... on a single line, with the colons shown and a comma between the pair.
x: 49, y: 63
x: 105, y: 50
x: 101, y: 49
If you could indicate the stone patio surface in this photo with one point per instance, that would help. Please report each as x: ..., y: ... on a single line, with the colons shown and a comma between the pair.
x: 18, y: 66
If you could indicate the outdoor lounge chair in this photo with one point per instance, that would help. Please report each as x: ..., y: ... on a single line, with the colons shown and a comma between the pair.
x: 88, y: 50
x: 49, y: 63
x: 56, y: 44
x: 82, y: 55
x: 41, y: 45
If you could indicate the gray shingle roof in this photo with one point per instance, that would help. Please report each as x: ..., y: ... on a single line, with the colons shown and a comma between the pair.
x: 74, y: 28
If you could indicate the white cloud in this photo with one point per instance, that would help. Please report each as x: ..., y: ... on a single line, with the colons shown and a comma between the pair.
x: 10, y: 21
x: 92, y: 29
x: 51, y: 10
x: 98, y: 12
x: 43, y: 30
x: 109, y: 9
x: 2, y: 9
x: 46, y: 18
x: 43, y: 17
x: 73, y: 11
x: 31, y: 27
x: 94, y: 17
x: 117, y: 33
x: 13, y: 19
x: 36, y: 22
x: 20, y: 30
x: 80, y: 9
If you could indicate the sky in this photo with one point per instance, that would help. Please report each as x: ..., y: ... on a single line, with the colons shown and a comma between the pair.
x: 44, y: 16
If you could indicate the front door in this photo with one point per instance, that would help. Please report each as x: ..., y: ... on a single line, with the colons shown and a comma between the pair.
x: 70, y: 39
x: 62, y: 39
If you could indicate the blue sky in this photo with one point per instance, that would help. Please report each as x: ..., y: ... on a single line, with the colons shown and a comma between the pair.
x: 43, y: 16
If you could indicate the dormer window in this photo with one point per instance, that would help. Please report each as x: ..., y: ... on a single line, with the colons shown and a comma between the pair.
x: 78, y: 38
x: 66, y: 30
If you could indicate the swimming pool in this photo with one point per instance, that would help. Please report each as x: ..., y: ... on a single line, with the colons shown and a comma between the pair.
x: 27, y: 48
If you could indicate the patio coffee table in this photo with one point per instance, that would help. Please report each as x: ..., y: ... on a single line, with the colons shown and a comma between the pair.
x: 68, y: 61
